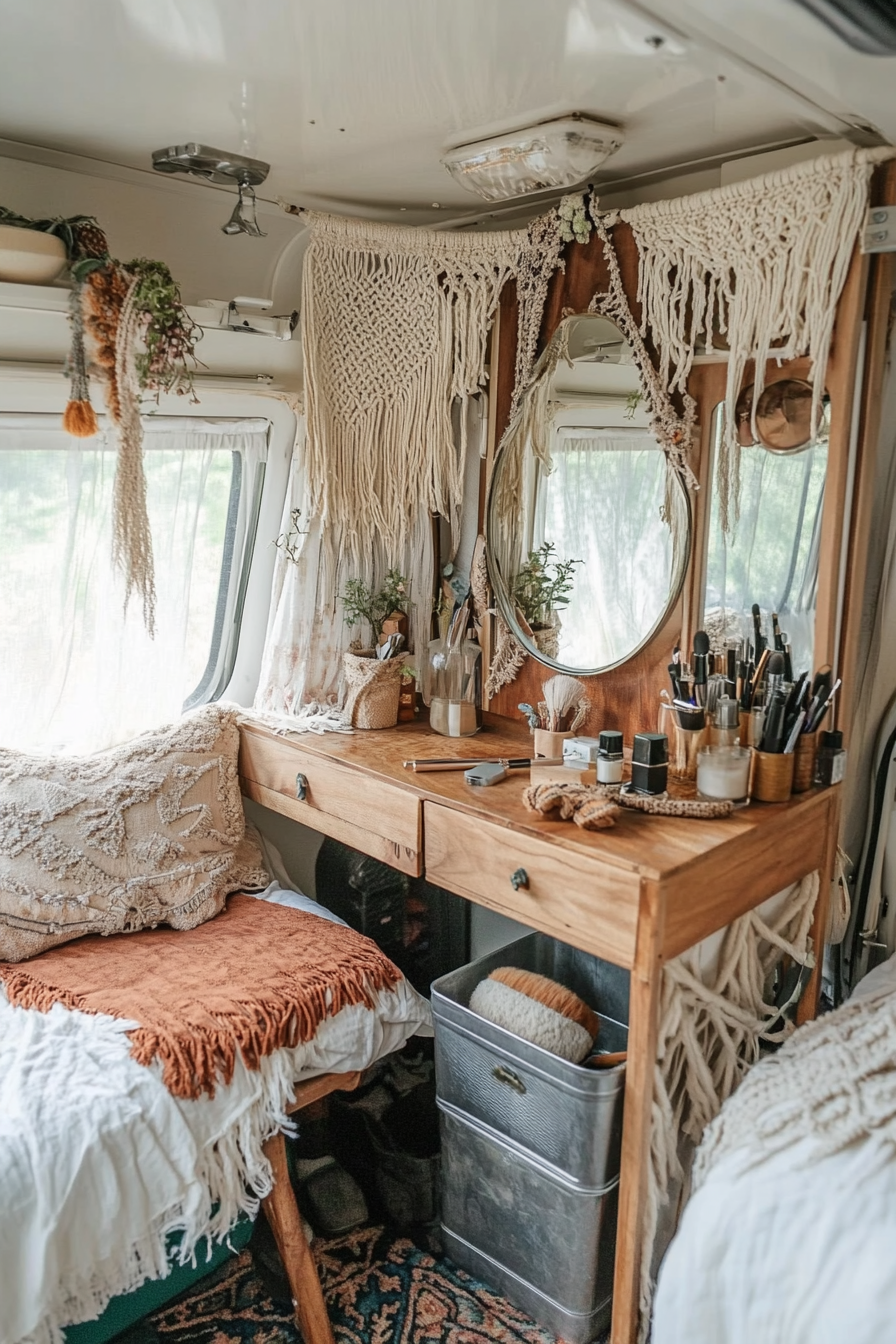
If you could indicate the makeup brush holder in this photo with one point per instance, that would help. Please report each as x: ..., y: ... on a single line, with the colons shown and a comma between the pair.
x: 804, y: 756
x: 549, y: 744
x: 771, y: 778
x: 372, y: 689
x: 684, y: 745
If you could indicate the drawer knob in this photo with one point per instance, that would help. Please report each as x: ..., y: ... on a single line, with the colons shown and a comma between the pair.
x: 519, y: 879
x: 301, y: 787
x: 512, y: 1079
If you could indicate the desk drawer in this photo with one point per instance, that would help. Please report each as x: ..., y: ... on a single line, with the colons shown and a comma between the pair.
x: 367, y: 813
x: 569, y: 894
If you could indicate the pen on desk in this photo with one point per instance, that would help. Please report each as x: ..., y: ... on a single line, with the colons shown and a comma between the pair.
x: 431, y: 763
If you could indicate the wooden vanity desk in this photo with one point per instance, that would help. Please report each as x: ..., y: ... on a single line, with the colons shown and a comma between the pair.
x: 636, y: 894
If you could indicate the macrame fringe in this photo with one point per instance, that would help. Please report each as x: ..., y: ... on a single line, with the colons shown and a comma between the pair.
x: 709, y: 1036
x: 763, y: 261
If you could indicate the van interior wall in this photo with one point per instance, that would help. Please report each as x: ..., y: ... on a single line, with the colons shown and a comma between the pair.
x: 172, y: 220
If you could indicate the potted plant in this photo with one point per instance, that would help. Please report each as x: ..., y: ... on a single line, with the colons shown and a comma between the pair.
x: 373, y: 682
x: 34, y: 251
x: 542, y: 586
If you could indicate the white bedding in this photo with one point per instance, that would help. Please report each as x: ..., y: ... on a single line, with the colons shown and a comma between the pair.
x: 789, y: 1251
x: 99, y: 1162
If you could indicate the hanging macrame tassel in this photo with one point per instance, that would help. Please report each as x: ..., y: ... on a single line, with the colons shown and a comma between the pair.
x: 79, y: 418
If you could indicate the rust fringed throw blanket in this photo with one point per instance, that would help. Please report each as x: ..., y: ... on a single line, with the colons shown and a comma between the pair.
x: 255, y: 978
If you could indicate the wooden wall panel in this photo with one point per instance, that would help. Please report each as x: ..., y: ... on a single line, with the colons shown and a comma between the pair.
x: 626, y: 697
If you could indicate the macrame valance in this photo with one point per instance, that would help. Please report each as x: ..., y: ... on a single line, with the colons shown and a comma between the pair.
x: 763, y: 262
x: 395, y: 326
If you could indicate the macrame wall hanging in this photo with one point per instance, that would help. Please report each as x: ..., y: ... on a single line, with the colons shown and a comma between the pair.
x: 762, y: 262
x: 395, y: 327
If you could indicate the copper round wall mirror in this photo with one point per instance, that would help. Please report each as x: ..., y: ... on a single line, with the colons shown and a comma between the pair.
x: 783, y: 416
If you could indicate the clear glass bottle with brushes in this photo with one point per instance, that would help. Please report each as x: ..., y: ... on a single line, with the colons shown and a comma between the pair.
x: 452, y: 679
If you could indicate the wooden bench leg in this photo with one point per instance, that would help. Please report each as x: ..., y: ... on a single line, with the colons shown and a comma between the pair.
x: 282, y: 1213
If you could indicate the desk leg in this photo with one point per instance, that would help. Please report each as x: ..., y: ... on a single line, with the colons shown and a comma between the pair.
x: 283, y: 1215
x: 644, y: 997
x: 807, y: 1008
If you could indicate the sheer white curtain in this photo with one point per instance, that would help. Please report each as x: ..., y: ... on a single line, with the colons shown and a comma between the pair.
x: 77, y: 672
x: 307, y: 634
x: 601, y: 504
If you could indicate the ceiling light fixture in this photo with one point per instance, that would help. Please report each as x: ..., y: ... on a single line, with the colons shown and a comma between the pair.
x: 553, y: 155
x: 217, y: 165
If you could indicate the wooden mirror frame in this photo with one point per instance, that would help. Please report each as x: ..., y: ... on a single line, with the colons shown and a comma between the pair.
x: 626, y: 697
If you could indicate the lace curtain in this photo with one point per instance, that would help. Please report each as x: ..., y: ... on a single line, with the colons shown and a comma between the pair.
x: 77, y: 672
x: 307, y: 634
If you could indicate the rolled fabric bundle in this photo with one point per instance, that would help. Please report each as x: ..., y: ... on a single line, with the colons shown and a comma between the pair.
x: 539, y: 1010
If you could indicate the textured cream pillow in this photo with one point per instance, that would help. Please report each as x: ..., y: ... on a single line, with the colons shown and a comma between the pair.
x: 151, y: 832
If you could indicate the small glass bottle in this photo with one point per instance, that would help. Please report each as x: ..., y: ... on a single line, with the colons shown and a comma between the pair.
x: 830, y: 763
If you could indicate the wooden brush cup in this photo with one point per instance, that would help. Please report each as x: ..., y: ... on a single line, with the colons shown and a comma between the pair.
x: 771, y: 778
x: 549, y: 744
x: 804, y: 761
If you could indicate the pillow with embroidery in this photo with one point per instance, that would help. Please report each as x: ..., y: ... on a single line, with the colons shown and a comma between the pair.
x: 151, y: 832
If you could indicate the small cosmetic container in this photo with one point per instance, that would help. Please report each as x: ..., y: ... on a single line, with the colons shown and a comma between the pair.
x: 609, y: 758
x: 723, y: 772
x: 581, y: 751
x: 830, y: 763
x: 650, y: 763
x: 725, y: 730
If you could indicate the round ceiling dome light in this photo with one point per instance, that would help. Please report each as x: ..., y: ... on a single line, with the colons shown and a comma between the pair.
x: 550, y: 156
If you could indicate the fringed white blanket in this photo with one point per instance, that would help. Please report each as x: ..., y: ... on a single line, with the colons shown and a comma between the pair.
x: 99, y: 1162
x: 789, y: 1237
x: 764, y: 262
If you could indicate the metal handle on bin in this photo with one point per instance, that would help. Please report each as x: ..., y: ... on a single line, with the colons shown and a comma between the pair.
x: 519, y: 879
x: 301, y: 787
x: 510, y: 1078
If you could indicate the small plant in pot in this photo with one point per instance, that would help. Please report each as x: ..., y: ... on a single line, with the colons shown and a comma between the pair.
x: 373, y: 674
x: 34, y: 251
x: 541, y: 587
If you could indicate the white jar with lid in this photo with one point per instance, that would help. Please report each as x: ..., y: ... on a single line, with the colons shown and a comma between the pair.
x: 609, y: 757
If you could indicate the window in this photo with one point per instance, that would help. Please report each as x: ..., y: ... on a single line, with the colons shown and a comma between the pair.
x: 77, y: 672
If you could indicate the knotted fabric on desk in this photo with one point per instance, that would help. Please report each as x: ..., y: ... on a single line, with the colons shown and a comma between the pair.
x: 254, y: 979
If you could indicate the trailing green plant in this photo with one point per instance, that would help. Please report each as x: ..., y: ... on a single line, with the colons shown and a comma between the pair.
x: 543, y: 584
x: 361, y: 603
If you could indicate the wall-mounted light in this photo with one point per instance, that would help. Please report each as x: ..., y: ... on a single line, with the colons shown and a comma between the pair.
x: 217, y: 165
x: 556, y: 154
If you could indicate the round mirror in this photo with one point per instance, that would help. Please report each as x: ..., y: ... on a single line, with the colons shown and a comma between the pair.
x: 783, y: 417
x: 584, y: 563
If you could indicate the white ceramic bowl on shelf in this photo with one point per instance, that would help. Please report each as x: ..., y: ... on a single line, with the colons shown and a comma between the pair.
x: 29, y: 257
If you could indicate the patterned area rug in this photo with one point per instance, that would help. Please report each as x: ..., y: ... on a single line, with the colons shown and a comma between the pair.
x: 379, y: 1291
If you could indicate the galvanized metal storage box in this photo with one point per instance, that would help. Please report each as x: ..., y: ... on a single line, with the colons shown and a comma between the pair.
x: 564, y: 1116
x: 544, y: 1243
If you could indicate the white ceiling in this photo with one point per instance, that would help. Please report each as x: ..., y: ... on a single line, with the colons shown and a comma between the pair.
x: 353, y: 101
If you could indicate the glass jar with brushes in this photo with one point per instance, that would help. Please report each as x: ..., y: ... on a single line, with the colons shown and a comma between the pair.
x: 452, y: 679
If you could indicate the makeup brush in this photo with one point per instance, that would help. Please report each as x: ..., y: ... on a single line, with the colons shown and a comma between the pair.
x: 701, y: 660
x: 563, y: 695
x: 758, y: 640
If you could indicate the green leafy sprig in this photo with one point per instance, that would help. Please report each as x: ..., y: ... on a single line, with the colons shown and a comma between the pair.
x: 362, y: 603
x: 543, y: 584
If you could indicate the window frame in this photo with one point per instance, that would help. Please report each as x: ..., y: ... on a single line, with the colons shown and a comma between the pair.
x: 33, y: 391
